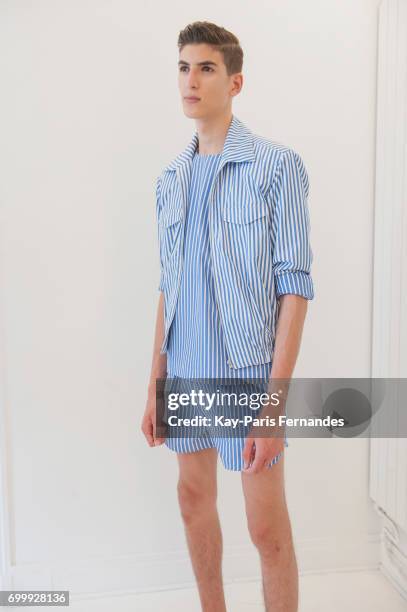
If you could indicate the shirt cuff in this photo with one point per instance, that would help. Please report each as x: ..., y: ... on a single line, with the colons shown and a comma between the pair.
x: 297, y: 283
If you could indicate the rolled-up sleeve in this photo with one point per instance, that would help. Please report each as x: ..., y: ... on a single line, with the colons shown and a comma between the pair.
x: 292, y: 253
x: 158, y: 210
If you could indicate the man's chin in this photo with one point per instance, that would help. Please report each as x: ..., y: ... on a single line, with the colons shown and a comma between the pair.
x: 194, y: 113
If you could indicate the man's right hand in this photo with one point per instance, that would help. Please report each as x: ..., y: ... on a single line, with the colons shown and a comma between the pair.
x: 148, y: 425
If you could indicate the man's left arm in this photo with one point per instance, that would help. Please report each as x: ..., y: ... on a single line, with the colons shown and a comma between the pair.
x: 292, y: 259
x: 290, y: 324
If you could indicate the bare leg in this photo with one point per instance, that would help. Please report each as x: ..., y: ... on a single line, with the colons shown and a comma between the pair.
x: 270, y: 530
x: 197, y: 493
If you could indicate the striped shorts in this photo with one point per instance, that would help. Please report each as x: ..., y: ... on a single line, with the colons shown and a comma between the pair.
x: 229, y: 448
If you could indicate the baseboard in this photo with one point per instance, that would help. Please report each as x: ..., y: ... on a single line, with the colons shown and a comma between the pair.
x: 124, y: 575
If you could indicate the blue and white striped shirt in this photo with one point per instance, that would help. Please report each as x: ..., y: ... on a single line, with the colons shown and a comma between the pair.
x: 259, y: 238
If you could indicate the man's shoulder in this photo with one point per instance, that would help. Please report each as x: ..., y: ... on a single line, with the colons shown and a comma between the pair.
x: 268, y: 148
x: 274, y: 157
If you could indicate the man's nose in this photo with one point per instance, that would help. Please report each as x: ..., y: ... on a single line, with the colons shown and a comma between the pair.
x: 192, y: 79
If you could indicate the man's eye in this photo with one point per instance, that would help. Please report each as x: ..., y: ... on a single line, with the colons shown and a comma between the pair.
x: 185, y: 68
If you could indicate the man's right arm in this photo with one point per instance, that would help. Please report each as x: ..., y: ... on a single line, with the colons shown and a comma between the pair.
x: 159, y: 362
x: 158, y: 370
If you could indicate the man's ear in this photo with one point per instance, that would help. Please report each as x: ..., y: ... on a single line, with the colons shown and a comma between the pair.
x: 237, y: 83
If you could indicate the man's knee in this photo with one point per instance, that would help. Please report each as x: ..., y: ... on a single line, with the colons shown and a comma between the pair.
x: 265, y: 538
x: 271, y: 536
x: 195, y: 498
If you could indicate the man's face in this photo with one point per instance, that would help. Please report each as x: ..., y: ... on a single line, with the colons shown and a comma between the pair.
x: 206, y: 89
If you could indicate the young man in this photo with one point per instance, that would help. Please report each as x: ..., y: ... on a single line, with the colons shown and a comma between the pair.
x: 235, y: 255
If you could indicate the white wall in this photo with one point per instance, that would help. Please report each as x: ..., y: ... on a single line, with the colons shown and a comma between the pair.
x: 89, y: 115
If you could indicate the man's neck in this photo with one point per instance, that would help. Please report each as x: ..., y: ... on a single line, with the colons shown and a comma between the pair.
x: 212, y: 133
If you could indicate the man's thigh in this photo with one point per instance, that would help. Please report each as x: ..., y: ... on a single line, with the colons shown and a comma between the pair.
x: 198, y: 470
x: 264, y: 494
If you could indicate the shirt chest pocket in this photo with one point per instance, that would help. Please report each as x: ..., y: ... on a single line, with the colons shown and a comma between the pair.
x: 171, y: 227
x: 243, y: 213
x: 246, y: 229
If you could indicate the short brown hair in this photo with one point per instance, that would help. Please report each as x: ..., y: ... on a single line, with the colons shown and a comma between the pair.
x: 217, y: 37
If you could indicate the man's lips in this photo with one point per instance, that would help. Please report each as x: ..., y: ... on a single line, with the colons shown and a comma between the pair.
x: 191, y: 99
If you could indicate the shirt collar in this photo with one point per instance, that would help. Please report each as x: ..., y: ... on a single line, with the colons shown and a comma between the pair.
x: 238, y: 146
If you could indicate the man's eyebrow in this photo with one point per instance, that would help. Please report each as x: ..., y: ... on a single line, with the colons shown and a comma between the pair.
x: 204, y: 63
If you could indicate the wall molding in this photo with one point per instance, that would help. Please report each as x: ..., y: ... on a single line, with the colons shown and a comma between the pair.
x: 389, y: 339
x: 388, y: 456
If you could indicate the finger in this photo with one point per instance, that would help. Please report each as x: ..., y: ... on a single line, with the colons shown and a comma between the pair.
x: 257, y: 464
x: 248, y: 452
x: 251, y: 457
x: 266, y: 464
x: 158, y: 439
x: 148, y: 433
